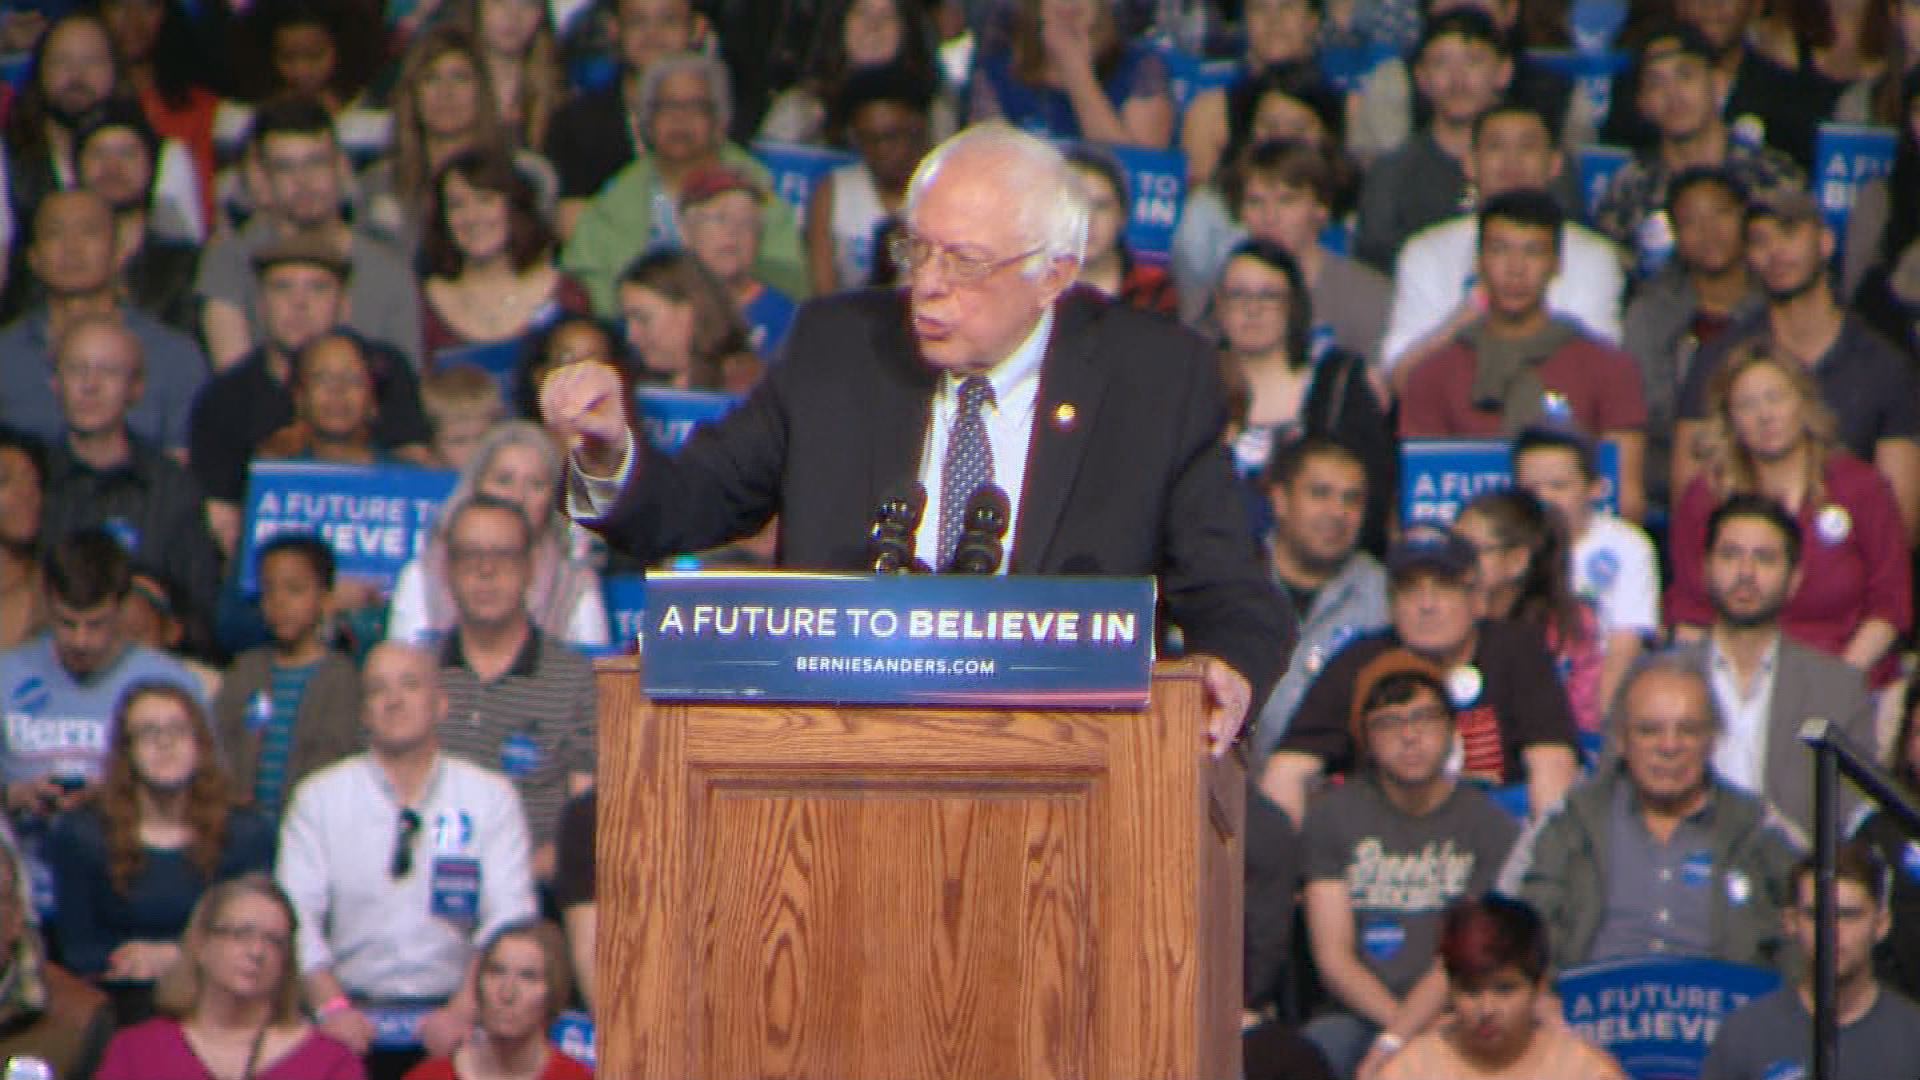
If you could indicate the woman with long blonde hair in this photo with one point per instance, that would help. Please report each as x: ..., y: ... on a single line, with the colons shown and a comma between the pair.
x: 230, y: 1009
x: 1772, y: 435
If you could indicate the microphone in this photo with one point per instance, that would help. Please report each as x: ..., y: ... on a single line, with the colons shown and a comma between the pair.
x: 890, y: 539
x: 982, y: 526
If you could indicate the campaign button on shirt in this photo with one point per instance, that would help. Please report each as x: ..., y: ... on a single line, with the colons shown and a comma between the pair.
x: 520, y: 755
x: 1383, y: 938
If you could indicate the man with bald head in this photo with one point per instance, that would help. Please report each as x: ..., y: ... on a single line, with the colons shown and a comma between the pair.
x: 99, y: 473
x: 1101, y: 424
x: 72, y: 254
x: 401, y: 861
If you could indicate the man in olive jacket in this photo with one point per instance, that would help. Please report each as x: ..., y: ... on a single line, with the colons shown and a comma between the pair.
x: 1655, y: 855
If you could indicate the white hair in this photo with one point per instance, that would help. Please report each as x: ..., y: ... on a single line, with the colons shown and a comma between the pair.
x: 711, y: 71
x: 1048, y: 208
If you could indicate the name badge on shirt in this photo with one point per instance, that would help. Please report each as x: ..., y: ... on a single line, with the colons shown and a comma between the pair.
x: 1697, y: 870
x: 455, y: 889
x: 520, y: 756
x: 1382, y: 939
x: 1785, y: 1070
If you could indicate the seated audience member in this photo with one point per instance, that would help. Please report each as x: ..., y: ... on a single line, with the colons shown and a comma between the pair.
x: 720, y: 223
x: 885, y: 113
x: 1462, y: 66
x: 302, y: 167
x: 100, y: 474
x: 303, y: 294
x: 1109, y: 264
x: 164, y: 56
x: 1755, y: 96
x: 443, y: 105
x: 1897, y: 958
x: 682, y: 325
x: 23, y: 486
x: 683, y: 111
x: 574, y: 892
x: 231, y: 1006
x: 462, y: 402
x: 1436, y: 287
x: 1693, y: 301
x: 1656, y: 854
x: 1069, y: 73
x: 61, y: 689
x: 1386, y: 852
x: 1878, y: 1029
x: 47, y: 1013
x: 1524, y: 578
x: 1536, y: 85
x: 1520, y: 363
x: 1773, y: 437
x: 1265, y: 315
x: 1513, y: 722
x: 520, y: 55
x: 516, y: 463
x: 1865, y: 381
x: 287, y: 709
x: 1317, y: 489
x: 161, y: 828
x: 853, y: 38
x: 522, y: 699
x: 1767, y: 684
x: 522, y: 985
x: 489, y: 256
x: 380, y: 928
x: 1614, y: 566
x: 597, y: 133
x: 1494, y: 952
x: 153, y: 616
x: 315, y: 52
x: 114, y: 153
x: 335, y: 398
x: 72, y: 255
x: 1678, y: 95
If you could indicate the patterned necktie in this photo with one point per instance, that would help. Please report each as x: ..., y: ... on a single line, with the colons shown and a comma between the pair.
x: 969, y: 461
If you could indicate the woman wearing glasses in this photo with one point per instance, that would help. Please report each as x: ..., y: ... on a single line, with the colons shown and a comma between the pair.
x: 129, y: 867
x: 524, y: 985
x: 230, y: 1007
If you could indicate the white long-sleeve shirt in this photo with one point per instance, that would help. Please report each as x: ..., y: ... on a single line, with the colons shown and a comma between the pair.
x: 1437, y: 266
x: 377, y: 935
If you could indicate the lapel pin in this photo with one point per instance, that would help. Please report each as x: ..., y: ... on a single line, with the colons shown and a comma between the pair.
x: 1064, y: 416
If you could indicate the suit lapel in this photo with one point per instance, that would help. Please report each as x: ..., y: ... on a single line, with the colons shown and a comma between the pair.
x: 1786, y: 771
x: 1071, y: 383
x: 901, y: 403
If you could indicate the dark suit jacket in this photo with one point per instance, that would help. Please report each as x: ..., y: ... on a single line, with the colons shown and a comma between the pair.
x: 1125, y: 475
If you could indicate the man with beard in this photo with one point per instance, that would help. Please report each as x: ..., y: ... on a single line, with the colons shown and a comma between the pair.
x: 1766, y: 683
x: 1385, y: 855
x: 1702, y: 294
x: 1866, y: 380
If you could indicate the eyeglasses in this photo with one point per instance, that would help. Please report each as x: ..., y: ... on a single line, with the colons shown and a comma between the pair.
x: 915, y: 253
x: 402, y: 863
x: 1384, y: 722
x: 246, y: 934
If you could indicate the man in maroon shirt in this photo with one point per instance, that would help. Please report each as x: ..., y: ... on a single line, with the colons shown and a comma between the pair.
x: 1520, y: 364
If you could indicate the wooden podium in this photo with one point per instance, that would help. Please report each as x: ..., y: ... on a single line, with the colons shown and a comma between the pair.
x: 820, y: 893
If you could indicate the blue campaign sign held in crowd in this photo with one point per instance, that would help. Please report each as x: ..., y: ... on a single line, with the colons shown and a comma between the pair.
x: 1157, y: 186
x: 500, y: 359
x: 376, y: 517
x: 1346, y: 66
x: 1592, y: 72
x: 1849, y: 155
x: 1598, y: 166
x: 1439, y: 476
x: 1189, y: 75
x: 626, y: 600
x: 1657, y: 1015
x: 796, y: 169
x: 669, y: 416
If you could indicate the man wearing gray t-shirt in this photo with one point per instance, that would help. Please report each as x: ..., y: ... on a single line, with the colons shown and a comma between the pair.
x: 1386, y: 853
x: 1879, y: 1036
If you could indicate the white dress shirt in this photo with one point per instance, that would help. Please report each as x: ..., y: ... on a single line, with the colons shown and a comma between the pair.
x: 1437, y: 265
x: 1740, y: 757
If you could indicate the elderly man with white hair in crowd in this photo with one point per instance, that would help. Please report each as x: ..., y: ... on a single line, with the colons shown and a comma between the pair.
x: 1101, y: 425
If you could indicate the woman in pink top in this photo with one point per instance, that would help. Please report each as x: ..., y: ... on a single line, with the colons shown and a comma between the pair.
x: 1775, y: 438
x: 231, y: 1005
x: 1494, y: 951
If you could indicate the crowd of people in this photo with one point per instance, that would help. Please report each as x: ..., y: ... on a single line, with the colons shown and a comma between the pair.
x: 269, y: 819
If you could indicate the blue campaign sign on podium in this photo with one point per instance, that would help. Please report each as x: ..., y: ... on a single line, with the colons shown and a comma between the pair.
x: 1657, y: 1015
x: 885, y: 639
x: 375, y: 517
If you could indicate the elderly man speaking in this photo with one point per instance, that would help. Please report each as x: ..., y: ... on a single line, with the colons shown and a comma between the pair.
x: 1101, y: 424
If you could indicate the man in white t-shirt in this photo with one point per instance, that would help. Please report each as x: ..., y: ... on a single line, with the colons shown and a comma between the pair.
x: 1614, y: 565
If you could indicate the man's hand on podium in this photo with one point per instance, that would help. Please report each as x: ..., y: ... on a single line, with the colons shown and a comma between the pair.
x: 1229, y: 695
x: 583, y: 404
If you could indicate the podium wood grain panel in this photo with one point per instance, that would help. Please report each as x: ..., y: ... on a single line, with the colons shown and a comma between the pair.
x: 896, y: 894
